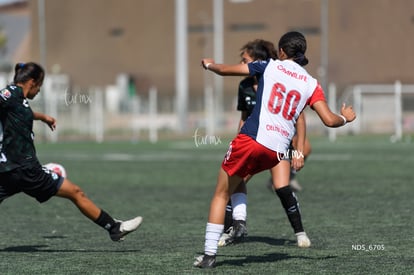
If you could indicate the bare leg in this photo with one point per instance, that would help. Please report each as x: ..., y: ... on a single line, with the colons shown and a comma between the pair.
x: 117, y: 229
x: 214, y: 228
x: 224, y: 187
x: 74, y: 193
x: 281, y: 174
x: 307, y: 149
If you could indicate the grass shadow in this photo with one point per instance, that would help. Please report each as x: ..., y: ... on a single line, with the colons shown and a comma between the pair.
x: 55, y: 237
x: 44, y: 248
x: 268, y: 240
x: 267, y: 258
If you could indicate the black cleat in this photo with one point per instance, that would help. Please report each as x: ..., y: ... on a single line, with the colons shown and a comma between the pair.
x: 205, y: 261
x: 240, y: 230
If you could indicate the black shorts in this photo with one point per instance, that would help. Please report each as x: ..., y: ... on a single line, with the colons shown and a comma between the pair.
x: 35, y: 181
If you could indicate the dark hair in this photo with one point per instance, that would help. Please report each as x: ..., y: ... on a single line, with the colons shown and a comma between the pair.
x: 260, y: 49
x: 23, y: 72
x: 294, y: 45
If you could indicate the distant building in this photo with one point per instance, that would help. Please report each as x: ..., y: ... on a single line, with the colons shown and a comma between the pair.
x: 93, y: 41
x: 15, y: 33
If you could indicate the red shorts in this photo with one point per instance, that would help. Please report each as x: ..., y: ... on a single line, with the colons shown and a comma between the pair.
x: 245, y: 157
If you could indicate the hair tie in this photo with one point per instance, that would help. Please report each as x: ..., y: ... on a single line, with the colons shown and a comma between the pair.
x: 300, y: 56
x: 21, y: 65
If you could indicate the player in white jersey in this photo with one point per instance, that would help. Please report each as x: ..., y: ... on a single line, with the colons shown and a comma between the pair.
x: 284, y: 90
x: 235, y: 227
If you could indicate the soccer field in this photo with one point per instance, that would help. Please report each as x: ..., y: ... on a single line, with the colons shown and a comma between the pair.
x: 357, y: 208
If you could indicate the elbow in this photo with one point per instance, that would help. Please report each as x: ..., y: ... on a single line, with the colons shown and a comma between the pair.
x: 330, y: 122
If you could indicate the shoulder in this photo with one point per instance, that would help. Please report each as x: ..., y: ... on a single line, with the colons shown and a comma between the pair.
x: 257, y: 67
x: 317, y: 95
x: 11, y: 89
x: 10, y: 92
x: 5, y: 94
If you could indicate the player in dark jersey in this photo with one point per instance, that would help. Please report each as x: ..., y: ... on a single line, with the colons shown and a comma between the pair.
x: 246, y: 99
x: 20, y: 170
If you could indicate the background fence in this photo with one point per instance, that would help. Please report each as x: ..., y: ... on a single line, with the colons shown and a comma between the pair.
x: 112, y: 113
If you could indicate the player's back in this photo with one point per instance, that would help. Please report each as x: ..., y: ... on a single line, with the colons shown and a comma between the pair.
x: 285, y: 90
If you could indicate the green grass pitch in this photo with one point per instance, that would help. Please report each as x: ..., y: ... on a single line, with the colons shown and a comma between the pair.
x: 357, y: 208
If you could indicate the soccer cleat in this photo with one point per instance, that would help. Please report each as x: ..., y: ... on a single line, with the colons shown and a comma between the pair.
x: 123, y: 228
x: 303, y: 240
x: 234, y: 234
x: 227, y: 237
x: 240, y: 230
x: 205, y: 261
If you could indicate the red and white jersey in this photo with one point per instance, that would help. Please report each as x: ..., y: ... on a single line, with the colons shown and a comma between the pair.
x: 284, y: 90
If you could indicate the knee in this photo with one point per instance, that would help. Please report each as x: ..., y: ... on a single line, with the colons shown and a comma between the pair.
x: 76, y: 193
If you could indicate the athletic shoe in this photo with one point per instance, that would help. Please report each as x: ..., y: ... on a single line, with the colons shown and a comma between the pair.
x: 227, y: 237
x: 234, y: 234
x: 205, y: 261
x: 123, y: 228
x: 240, y: 230
x: 294, y: 184
x: 303, y: 240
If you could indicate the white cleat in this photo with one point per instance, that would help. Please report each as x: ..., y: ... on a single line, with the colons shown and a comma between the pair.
x: 123, y: 228
x: 226, y: 238
x: 303, y: 240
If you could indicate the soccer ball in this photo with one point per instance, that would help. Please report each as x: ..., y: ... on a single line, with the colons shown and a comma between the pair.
x: 57, y: 168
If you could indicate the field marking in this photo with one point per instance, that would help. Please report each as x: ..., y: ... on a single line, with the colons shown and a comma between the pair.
x: 329, y: 157
x: 144, y: 157
x: 205, y: 156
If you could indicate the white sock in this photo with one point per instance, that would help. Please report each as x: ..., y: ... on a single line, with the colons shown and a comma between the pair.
x: 239, y: 204
x: 213, y: 233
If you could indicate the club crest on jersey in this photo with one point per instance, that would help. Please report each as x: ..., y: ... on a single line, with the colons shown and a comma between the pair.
x: 25, y: 103
x: 5, y: 94
x: 54, y: 175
